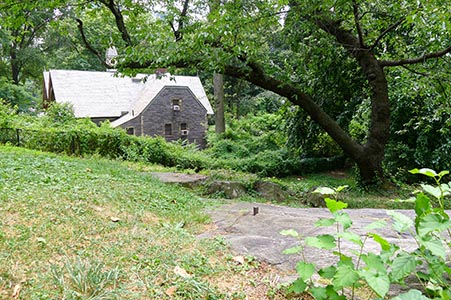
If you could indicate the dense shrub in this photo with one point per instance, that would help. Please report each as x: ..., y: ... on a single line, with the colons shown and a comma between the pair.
x: 59, y: 131
x: 16, y: 95
x: 255, y: 144
x: 420, y: 127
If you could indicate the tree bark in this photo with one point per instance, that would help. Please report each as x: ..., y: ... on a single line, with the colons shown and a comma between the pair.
x: 15, y: 68
x: 218, y: 87
x: 369, y: 161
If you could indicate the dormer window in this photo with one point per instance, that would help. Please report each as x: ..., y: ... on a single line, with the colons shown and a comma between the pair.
x: 176, y: 104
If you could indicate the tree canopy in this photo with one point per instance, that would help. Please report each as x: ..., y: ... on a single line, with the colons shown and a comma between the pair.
x: 338, y: 61
x: 285, y: 46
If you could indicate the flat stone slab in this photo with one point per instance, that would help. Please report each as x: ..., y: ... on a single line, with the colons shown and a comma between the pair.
x: 259, y: 235
x: 170, y: 177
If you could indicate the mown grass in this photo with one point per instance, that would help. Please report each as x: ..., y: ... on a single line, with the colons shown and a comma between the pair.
x: 96, y: 229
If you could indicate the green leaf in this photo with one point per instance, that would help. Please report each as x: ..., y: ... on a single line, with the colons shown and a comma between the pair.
x: 298, y: 286
x: 403, y: 264
x: 319, y: 293
x: 376, y: 225
x: 432, y: 222
x: 422, y: 204
x: 385, y: 245
x: 378, y: 281
x: 411, y: 295
x: 327, y: 293
x: 344, y: 220
x: 402, y: 222
x: 424, y: 171
x: 328, y: 272
x: 345, y: 276
x: 325, y: 222
x: 443, y: 173
x: 292, y: 250
x: 324, y: 191
x: 334, y: 205
x: 341, y: 188
x: 373, y: 261
x: 305, y: 270
x: 435, y: 246
x: 325, y: 241
x: 289, y: 232
x: 352, y: 237
x: 434, y: 191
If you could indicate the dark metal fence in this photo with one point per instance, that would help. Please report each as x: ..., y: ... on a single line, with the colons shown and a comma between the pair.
x: 10, y: 135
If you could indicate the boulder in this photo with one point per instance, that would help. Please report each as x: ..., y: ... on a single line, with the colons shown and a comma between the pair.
x: 313, y: 199
x: 230, y: 189
x: 271, y: 191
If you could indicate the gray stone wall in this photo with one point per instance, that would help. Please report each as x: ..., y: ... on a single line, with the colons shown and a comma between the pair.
x: 160, y: 111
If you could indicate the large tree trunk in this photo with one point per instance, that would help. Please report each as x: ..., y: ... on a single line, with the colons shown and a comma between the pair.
x: 368, y: 157
x: 370, y: 165
x: 15, y: 69
x: 218, y: 86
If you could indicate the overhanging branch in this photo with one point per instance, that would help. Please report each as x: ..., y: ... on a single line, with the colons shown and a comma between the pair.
x: 88, y: 45
x: 357, y: 23
x: 114, y: 8
x: 416, y: 60
x: 178, y: 32
x: 385, y: 32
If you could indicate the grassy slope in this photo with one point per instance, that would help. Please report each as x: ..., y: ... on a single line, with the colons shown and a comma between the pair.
x: 59, y: 238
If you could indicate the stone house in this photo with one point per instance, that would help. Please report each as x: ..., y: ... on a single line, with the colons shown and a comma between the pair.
x: 175, y: 107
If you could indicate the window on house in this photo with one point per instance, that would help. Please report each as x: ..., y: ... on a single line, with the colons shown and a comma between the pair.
x: 130, y: 130
x: 168, y: 129
x: 183, y: 126
x: 176, y: 103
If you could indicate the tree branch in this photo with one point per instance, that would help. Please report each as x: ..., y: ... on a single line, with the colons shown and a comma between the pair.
x: 254, y: 73
x: 415, y: 72
x: 88, y: 45
x: 355, y: 7
x: 114, y: 8
x: 178, y: 32
x: 416, y: 60
x: 390, y: 28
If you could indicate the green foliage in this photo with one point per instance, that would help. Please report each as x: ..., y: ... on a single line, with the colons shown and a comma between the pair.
x: 7, y: 112
x: 60, y: 132
x: 420, y: 126
x: 60, y: 113
x: 431, y: 229
x: 257, y: 144
x: 16, y: 95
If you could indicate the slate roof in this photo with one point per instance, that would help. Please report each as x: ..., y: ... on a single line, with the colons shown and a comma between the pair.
x: 104, y: 94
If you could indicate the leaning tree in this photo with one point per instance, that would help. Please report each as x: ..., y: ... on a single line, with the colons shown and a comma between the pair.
x: 240, y: 39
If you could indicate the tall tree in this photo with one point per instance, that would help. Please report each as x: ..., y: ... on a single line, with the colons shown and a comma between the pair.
x: 375, y: 35
x: 25, y: 23
x: 218, y: 87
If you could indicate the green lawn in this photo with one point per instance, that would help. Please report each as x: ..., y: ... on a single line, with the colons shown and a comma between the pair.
x: 75, y: 228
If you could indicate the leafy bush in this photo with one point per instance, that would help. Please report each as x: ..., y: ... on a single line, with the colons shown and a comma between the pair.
x: 59, y: 131
x: 7, y: 112
x: 16, y: 95
x: 429, y: 263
